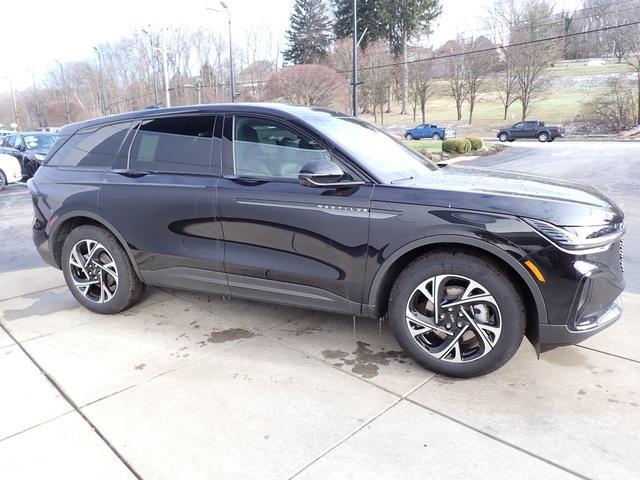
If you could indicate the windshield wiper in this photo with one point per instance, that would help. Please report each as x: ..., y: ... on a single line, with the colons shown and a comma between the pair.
x: 401, y: 179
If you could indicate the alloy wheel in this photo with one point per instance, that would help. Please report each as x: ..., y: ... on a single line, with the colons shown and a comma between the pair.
x: 453, y: 318
x: 93, y: 271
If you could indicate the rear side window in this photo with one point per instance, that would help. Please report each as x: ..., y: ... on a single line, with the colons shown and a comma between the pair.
x: 176, y: 144
x: 92, y: 148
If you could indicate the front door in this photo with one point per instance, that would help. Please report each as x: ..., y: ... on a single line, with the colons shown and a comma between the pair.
x: 285, y: 242
x: 163, y: 202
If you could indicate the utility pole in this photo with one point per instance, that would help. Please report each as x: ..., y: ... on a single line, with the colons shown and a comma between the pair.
x: 165, y: 69
x: 354, y: 56
x: 153, y: 64
x: 102, y: 91
x: 35, y: 97
x: 13, y: 101
x: 64, y: 91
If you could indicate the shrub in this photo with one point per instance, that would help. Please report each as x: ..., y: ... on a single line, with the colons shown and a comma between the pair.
x: 457, y: 145
x: 467, y: 145
x: 476, y: 143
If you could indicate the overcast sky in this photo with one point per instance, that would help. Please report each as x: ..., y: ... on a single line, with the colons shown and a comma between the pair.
x: 36, y: 32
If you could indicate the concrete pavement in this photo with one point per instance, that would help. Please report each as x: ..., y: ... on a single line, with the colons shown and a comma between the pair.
x: 192, y: 386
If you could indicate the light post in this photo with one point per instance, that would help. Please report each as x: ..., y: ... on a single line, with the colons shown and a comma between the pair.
x: 354, y: 73
x: 234, y: 94
x: 35, y: 97
x: 13, y: 101
x: 153, y: 64
x: 64, y: 91
x: 102, y: 91
x: 165, y: 70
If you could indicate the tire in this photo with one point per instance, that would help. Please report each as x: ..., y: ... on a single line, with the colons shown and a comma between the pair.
x: 123, y: 287
x: 491, y: 330
x: 436, y: 137
x: 3, y: 180
x: 551, y: 139
x: 512, y: 140
x: 543, y: 137
x: 503, y: 137
x: 408, y: 136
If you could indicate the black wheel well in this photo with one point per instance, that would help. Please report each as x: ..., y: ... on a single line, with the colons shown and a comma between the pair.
x: 65, y: 229
x: 390, y: 276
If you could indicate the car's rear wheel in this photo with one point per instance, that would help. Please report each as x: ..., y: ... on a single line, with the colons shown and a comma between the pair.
x: 3, y: 180
x: 503, y: 137
x: 551, y: 139
x: 98, y: 271
x: 436, y: 136
x: 408, y: 136
x: 457, y: 314
x: 543, y: 137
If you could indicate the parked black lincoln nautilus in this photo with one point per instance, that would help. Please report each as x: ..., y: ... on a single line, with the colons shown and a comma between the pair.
x: 308, y: 207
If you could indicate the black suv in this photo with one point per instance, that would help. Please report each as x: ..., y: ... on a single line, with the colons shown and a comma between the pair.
x: 308, y: 207
x: 30, y: 148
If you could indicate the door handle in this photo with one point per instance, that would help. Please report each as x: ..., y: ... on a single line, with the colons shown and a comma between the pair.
x: 131, y: 173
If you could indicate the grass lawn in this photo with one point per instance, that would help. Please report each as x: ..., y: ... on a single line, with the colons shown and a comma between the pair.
x: 433, y: 146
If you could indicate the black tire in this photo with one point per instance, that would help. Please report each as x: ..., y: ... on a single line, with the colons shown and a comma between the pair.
x: 436, y: 137
x: 475, y: 267
x: 543, y: 137
x: 3, y: 180
x: 129, y: 288
x: 503, y: 137
x: 551, y: 139
x: 408, y: 136
x: 512, y: 140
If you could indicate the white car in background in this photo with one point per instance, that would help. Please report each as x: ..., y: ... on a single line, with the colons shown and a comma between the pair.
x: 10, y: 171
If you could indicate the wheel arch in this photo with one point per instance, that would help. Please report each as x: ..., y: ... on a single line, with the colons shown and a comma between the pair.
x: 386, y: 275
x: 67, y: 222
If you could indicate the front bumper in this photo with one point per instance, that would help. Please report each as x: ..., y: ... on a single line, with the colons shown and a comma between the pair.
x: 552, y: 336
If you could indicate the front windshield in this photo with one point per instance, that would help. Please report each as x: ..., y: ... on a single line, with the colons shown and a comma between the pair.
x: 380, y: 153
x: 40, y: 141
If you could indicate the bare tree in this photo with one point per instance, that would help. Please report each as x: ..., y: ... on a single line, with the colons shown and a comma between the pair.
x: 309, y: 85
x: 456, y: 80
x: 632, y: 58
x: 377, y: 79
x: 614, y: 111
x: 476, y: 68
x: 420, y: 80
x: 506, y: 86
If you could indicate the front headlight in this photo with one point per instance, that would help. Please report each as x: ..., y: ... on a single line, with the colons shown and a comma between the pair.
x: 578, y: 239
x: 39, y: 156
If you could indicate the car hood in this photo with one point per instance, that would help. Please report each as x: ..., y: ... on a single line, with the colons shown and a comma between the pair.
x: 561, y: 202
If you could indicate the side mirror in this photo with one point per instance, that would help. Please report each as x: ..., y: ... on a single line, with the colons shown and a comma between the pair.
x: 323, y: 174
x: 20, y: 148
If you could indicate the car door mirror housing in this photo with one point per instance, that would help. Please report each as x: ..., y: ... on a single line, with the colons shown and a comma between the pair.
x: 323, y: 174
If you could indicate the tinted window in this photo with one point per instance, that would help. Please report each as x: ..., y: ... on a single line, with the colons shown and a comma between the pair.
x: 177, y: 144
x: 40, y: 141
x: 265, y: 148
x: 92, y: 148
x: 519, y: 125
x: 532, y: 124
x: 18, y: 142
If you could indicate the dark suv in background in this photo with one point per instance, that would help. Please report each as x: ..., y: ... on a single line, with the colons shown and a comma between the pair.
x: 531, y: 129
x: 307, y: 207
x: 30, y: 148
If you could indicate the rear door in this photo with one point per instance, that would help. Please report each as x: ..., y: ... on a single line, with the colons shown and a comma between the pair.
x: 530, y: 129
x: 162, y: 200
x: 285, y: 242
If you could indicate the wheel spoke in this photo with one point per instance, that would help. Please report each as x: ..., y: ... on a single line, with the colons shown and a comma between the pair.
x: 108, y: 268
x: 484, y: 298
x: 481, y: 329
x: 424, y: 323
x: 453, y: 344
x: 100, y: 280
x: 92, y: 250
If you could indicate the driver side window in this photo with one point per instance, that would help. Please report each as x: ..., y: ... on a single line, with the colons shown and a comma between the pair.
x: 519, y: 125
x: 265, y: 148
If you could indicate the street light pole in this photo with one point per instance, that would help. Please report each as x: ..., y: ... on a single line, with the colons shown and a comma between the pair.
x: 233, y: 79
x: 102, y: 91
x: 13, y: 101
x: 153, y: 65
x: 354, y: 56
x: 64, y: 91
x: 165, y: 68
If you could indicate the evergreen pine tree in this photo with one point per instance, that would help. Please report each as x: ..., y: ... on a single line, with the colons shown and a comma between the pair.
x: 309, y: 34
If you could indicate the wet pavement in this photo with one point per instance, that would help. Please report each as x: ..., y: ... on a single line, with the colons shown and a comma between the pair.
x: 193, y: 386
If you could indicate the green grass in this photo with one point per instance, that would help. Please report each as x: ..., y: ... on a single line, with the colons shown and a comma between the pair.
x: 432, y: 146
x: 574, y: 69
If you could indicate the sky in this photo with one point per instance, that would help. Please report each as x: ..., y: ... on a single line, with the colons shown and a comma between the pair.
x: 66, y: 30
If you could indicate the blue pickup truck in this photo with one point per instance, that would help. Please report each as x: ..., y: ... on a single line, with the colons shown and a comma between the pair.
x: 428, y: 130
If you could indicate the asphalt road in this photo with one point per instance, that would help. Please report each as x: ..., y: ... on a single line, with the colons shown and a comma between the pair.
x: 613, y: 167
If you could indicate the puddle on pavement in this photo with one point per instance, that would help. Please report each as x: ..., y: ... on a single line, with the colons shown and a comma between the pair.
x: 46, y: 303
x: 364, y: 361
x: 228, y: 335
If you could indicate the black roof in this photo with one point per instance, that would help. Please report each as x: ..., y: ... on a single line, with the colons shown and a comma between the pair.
x: 280, y: 109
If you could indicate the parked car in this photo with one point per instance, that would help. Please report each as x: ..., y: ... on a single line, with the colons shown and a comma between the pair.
x: 30, y: 148
x: 427, y: 130
x: 10, y: 171
x: 307, y: 207
x: 531, y: 129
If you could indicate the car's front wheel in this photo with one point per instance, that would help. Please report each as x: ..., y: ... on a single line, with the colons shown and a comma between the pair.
x: 457, y: 314
x: 98, y: 271
x: 503, y: 137
x: 408, y: 136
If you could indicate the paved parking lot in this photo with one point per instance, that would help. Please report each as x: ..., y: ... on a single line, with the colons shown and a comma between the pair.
x: 192, y: 386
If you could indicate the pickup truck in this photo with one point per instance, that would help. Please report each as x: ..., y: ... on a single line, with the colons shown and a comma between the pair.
x: 531, y: 129
x: 427, y: 130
